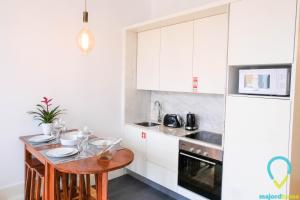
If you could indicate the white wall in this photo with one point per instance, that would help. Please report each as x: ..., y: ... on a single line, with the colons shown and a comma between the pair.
x: 166, y: 7
x: 39, y: 57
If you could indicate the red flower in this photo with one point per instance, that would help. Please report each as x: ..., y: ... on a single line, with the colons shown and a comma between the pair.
x: 47, y: 102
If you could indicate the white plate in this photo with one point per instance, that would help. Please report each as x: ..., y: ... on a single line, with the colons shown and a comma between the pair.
x: 41, y: 138
x: 101, y: 142
x: 61, y: 152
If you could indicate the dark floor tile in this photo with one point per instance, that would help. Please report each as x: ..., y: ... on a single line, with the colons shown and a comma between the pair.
x: 128, y: 188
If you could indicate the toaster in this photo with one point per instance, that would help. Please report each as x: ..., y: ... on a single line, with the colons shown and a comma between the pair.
x: 172, y: 121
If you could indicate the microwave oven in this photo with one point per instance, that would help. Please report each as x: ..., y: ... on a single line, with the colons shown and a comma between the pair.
x: 274, y: 81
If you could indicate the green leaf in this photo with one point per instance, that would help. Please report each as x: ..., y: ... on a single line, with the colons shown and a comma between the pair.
x: 45, y: 116
x: 41, y: 106
x: 35, y: 113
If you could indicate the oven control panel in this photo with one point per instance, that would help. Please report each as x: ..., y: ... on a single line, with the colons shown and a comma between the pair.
x: 209, y: 152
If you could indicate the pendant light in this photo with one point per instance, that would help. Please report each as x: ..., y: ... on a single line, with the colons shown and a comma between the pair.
x: 86, y: 40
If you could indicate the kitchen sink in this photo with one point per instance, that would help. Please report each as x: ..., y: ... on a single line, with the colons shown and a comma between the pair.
x: 147, y: 124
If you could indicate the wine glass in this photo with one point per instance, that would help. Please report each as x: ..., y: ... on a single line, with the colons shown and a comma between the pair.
x: 82, y: 144
x: 58, y: 127
x: 62, y: 124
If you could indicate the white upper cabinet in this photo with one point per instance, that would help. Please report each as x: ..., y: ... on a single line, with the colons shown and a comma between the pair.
x: 210, y: 54
x: 148, y: 60
x: 257, y: 130
x: 176, y: 61
x: 261, y: 32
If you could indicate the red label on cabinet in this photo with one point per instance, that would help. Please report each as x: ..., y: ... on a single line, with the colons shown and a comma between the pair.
x: 143, y: 135
x: 195, y: 84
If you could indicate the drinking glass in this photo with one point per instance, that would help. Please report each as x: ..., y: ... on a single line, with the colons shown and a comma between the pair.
x: 62, y: 124
x: 58, y: 127
x: 82, y: 144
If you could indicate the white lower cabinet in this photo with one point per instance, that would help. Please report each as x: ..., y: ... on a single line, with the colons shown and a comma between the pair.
x: 163, y: 150
x: 162, y: 159
x: 155, y: 155
x: 257, y: 130
x: 134, y: 141
x: 162, y: 176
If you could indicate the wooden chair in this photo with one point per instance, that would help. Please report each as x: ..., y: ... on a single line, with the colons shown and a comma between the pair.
x: 34, y: 179
x: 71, y: 191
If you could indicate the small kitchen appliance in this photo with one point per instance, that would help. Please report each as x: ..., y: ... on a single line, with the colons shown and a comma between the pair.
x: 191, y: 122
x: 172, y: 121
x: 270, y: 81
x: 200, y: 169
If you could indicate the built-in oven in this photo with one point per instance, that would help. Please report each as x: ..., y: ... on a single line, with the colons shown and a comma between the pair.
x: 200, y: 169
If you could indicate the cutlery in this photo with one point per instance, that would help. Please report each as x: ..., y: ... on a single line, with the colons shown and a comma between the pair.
x: 109, y: 147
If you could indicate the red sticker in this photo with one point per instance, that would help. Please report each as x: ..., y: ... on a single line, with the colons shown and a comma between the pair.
x: 195, y: 84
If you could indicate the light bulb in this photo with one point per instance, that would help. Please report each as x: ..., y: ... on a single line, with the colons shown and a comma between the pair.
x: 86, y: 40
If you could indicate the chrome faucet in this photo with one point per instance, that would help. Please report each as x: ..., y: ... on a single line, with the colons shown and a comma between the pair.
x: 159, y: 106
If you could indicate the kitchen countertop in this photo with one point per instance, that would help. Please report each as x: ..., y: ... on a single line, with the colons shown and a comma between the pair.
x: 177, y: 132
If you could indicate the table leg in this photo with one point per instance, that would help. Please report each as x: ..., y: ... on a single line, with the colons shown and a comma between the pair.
x: 50, y: 182
x: 101, y: 186
x: 26, y: 158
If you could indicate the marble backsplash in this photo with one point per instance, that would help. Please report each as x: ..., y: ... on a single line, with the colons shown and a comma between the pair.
x: 208, y: 108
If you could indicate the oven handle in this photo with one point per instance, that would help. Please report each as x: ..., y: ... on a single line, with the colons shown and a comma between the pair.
x: 187, y: 155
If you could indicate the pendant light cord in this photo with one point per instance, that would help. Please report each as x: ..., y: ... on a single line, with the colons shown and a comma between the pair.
x: 85, y: 13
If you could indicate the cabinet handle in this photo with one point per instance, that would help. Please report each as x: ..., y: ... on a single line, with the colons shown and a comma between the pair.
x: 193, y: 157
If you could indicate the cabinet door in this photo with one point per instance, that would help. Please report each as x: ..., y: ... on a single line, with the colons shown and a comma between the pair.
x: 262, y: 32
x: 176, y: 57
x: 134, y: 140
x: 163, y: 150
x: 162, y: 159
x: 256, y: 130
x: 162, y: 176
x: 148, y: 60
x: 210, y: 54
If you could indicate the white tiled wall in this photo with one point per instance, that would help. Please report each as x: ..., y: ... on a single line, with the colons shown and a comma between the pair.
x: 209, y: 108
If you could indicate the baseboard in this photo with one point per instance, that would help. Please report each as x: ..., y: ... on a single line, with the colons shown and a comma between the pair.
x: 116, y: 173
x: 16, y: 191
x: 12, y: 192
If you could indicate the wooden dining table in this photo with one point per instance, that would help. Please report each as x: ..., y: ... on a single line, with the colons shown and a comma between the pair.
x: 91, y: 165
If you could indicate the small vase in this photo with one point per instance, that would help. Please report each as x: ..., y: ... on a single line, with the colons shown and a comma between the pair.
x: 47, y: 128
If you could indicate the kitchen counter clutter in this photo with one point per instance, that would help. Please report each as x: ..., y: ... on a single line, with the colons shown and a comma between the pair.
x: 180, y: 133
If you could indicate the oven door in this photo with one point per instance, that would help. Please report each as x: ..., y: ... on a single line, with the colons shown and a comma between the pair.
x: 200, y: 174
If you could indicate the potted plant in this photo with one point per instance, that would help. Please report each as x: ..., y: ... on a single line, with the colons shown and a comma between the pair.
x: 45, y: 115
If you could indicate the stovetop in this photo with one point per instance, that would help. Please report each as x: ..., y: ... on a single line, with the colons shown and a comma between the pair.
x: 206, y: 136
